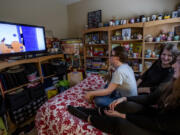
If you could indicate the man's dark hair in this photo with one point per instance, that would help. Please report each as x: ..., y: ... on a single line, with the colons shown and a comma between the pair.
x: 122, y: 53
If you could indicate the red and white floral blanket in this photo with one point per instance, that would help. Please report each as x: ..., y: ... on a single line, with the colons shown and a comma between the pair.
x: 52, y: 118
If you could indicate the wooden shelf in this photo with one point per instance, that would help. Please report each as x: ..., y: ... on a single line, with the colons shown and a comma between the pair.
x: 105, y: 57
x: 150, y: 58
x: 129, y: 25
x: 45, y: 58
x: 145, y: 28
x: 162, y: 42
x: 14, y: 89
x: 125, y: 41
x: 135, y: 58
x: 135, y: 25
x: 25, y: 61
x: 23, y: 85
x: 49, y: 76
x: 96, y: 45
x: 161, y: 22
x: 96, y: 30
x: 17, y: 62
x: 37, y: 60
x: 98, y: 68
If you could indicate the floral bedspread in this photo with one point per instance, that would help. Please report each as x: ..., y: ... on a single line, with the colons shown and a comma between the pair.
x: 52, y: 118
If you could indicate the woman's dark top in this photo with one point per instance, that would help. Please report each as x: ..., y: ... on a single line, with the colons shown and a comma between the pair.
x: 161, y: 119
x: 156, y: 75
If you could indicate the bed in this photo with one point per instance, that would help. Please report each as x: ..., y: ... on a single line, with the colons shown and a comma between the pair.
x: 52, y: 118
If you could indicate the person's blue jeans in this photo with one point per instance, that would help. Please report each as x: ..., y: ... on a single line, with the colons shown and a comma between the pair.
x: 104, y: 101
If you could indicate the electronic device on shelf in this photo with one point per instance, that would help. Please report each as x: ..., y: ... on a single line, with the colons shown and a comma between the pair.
x: 21, y: 39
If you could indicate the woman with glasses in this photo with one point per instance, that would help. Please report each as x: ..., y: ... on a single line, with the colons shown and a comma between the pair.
x: 161, y: 70
x: 154, y: 114
x: 123, y: 81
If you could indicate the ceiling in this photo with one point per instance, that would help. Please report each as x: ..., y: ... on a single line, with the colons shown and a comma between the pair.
x: 69, y: 2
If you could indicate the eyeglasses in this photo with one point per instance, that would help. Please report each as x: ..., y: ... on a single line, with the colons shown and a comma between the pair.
x: 113, y: 56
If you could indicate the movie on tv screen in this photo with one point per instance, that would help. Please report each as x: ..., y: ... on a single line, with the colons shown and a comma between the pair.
x: 16, y: 38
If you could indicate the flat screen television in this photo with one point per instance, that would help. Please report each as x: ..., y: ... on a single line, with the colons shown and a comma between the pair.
x: 17, y: 39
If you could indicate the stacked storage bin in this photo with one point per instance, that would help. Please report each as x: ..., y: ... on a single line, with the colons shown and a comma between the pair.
x: 24, y: 102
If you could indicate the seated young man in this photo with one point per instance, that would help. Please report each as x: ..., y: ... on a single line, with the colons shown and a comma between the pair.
x: 123, y: 81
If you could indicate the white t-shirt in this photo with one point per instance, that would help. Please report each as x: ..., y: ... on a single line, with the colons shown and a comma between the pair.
x: 124, y: 76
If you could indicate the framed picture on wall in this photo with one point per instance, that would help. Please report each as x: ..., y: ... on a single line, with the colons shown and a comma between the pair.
x: 94, y: 18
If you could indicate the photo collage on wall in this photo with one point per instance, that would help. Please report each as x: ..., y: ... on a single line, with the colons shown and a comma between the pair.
x: 94, y: 18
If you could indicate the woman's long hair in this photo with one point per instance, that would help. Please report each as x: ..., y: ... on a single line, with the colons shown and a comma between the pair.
x: 171, y: 92
x: 170, y: 47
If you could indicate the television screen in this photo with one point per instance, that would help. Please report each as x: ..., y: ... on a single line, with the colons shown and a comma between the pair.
x: 18, y: 38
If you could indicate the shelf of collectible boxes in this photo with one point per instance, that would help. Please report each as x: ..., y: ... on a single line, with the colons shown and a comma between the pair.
x: 21, y: 86
x: 74, y: 61
x: 73, y: 49
x: 37, y: 61
x: 54, y: 71
x: 96, y: 48
x: 131, y: 37
x: 96, y: 51
x: 96, y: 63
x: 157, y: 33
x: 48, y: 69
x: 16, y: 94
x: 16, y: 77
x: 153, y: 28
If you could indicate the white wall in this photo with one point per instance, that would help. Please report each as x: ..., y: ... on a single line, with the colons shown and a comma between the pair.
x: 77, y: 13
x: 49, y: 13
x: 70, y: 21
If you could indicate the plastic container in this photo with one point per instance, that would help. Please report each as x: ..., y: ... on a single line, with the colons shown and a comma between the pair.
x: 18, y: 99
